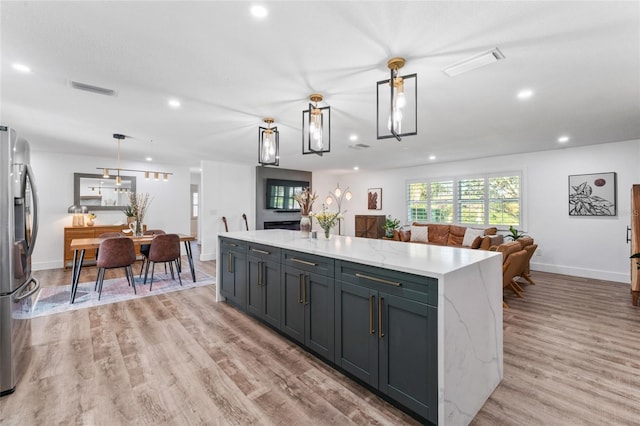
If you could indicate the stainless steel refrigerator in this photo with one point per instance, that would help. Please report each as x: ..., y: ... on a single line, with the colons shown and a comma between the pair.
x: 19, y: 229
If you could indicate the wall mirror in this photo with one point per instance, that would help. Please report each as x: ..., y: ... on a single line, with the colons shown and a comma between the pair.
x: 100, y: 193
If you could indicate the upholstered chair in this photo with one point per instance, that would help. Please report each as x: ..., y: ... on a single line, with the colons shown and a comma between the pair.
x: 144, y: 248
x: 511, y: 268
x: 115, y: 252
x: 164, y: 249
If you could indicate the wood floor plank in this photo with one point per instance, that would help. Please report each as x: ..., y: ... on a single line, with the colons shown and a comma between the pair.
x: 570, y: 358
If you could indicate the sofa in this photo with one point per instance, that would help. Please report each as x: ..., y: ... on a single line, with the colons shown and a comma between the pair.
x: 449, y: 235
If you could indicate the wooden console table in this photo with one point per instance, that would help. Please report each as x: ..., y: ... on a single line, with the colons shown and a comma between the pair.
x: 370, y: 226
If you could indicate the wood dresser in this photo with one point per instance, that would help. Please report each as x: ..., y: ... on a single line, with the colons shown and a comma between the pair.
x: 72, y: 232
x: 370, y: 226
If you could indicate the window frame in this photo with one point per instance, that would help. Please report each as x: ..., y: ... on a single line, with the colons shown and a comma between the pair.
x: 487, y: 201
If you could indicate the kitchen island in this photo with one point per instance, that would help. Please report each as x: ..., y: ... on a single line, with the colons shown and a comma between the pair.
x: 421, y: 324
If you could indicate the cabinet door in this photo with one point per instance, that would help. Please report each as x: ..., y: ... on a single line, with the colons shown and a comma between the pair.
x: 293, y: 280
x: 254, y: 286
x: 271, y: 300
x: 357, y: 331
x: 408, y: 354
x: 319, y: 314
x: 234, y: 277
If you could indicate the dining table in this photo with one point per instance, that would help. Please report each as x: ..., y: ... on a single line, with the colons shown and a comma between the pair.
x: 81, y: 245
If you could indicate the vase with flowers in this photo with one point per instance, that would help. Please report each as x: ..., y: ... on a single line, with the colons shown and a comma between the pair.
x: 91, y: 217
x: 327, y: 220
x: 138, y: 204
x: 305, y: 200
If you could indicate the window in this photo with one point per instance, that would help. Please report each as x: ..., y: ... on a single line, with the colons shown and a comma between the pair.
x: 471, y: 201
x: 484, y: 200
x: 417, y: 202
x: 430, y: 201
x: 194, y: 201
x: 504, y: 200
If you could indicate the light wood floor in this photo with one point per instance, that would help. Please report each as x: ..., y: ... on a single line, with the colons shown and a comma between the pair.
x: 571, y: 357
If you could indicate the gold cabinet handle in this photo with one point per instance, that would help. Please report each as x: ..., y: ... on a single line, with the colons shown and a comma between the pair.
x: 300, y: 284
x: 371, y: 329
x: 380, y: 312
x: 380, y: 280
x: 260, y: 273
x: 230, y: 262
x: 304, y: 262
x: 304, y: 288
x: 260, y: 251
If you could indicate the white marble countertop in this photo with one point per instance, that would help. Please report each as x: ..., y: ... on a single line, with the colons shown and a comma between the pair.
x: 415, y: 258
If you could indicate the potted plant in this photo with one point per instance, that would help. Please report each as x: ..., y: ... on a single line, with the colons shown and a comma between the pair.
x: 514, y: 234
x: 128, y: 212
x: 390, y: 225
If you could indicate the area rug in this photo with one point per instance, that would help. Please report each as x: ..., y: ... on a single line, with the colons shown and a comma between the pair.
x: 53, y: 300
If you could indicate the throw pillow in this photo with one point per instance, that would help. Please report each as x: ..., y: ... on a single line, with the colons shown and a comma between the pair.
x: 470, y: 235
x: 477, y: 242
x: 419, y: 233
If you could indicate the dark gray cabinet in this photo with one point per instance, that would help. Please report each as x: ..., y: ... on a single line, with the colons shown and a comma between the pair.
x: 233, y: 280
x: 263, y: 283
x: 308, y: 302
x: 378, y: 325
x: 386, y: 333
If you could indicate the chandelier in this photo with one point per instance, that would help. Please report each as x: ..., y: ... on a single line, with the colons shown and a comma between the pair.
x: 147, y: 173
x: 316, y: 127
x: 400, y: 93
x: 268, y: 144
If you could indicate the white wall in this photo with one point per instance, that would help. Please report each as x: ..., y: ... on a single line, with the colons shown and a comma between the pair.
x: 168, y: 210
x: 228, y: 190
x: 582, y: 246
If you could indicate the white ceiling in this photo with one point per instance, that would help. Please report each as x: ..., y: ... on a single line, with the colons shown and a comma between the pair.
x: 230, y: 70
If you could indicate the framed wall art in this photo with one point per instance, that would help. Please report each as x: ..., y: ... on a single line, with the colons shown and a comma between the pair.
x: 592, y: 194
x: 374, y: 198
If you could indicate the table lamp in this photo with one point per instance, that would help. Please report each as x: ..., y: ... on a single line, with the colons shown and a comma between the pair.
x: 78, y: 214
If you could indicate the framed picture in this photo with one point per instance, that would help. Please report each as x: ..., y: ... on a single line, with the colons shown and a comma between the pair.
x: 374, y: 198
x: 592, y: 194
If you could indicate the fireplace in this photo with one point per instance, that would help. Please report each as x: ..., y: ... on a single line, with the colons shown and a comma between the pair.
x: 283, y: 224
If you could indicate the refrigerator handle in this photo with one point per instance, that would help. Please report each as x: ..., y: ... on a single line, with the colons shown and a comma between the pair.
x: 29, y: 292
x: 34, y: 192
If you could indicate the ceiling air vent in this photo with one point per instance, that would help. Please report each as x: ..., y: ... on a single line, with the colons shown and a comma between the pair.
x: 473, y: 62
x: 359, y: 146
x: 92, y: 89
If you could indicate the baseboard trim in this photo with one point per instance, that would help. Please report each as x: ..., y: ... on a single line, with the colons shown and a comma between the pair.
x: 207, y: 256
x: 41, y: 266
x: 582, y: 272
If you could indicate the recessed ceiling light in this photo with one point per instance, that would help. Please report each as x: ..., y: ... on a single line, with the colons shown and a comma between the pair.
x: 149, y: 159
x: 21, y: 68
x: 563, y: 139
x: 259, y: 11
x: 525, y: 94
x: 432, y: 157
x: 353, y: 137
x: 356, y: 168
x: 174, y: 103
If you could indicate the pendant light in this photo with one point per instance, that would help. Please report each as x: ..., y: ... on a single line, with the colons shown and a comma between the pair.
x: 396, y: 103
x: 316, y: 127
x: 118, y: 169
x: 268, y: 144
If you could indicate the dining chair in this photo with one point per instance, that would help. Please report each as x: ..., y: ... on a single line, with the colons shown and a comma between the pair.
x: 511, y: 268
x: 116, y: 252
x: 108, y: 235
x: 165, y: 248
x: 144, y: 248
